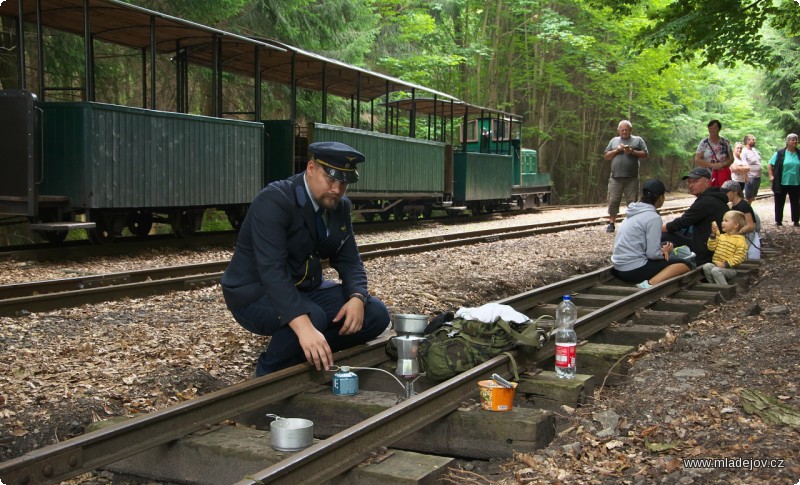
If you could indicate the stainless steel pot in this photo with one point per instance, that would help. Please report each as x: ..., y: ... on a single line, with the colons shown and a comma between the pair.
x: 290, y: 434
x: 409, y: 324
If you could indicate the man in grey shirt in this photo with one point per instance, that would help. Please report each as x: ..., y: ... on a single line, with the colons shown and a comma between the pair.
x: 624, y: 152
x: 753, y: 159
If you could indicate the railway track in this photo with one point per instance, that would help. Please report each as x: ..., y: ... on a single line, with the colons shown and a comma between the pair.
x: 127, y: 244
x: 604, y: 302
x: 69, y: 292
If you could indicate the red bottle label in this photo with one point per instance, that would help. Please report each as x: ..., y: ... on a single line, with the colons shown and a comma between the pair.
x: 565, y: 355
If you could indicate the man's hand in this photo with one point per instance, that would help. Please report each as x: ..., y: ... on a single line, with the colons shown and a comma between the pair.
x: 314, y: 345
x: 353, y: 314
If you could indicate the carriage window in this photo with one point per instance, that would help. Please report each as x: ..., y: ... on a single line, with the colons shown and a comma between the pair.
x: 471, y: 129
x: 501, y: 130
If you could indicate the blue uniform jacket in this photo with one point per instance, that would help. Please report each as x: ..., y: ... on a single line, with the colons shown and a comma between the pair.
x: 279, y: 254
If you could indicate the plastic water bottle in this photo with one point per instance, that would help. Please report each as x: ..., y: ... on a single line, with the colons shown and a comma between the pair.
x: 566, y: 338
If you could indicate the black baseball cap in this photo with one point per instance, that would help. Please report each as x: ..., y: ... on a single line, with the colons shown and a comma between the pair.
x: 655, y: 187
x: 697, y: 173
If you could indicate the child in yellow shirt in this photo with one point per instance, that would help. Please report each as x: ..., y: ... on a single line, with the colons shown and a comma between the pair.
x: 730, y: 248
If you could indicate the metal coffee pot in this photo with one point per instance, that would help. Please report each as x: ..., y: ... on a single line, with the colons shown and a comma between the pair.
x: 408, y: 355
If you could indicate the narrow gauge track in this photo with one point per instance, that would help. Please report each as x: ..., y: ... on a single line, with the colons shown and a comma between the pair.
x: 69, y: 292
x: 124, y: 245
x: 602, y: 299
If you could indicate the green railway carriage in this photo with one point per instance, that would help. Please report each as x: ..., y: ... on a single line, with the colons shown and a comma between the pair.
x: 528, y: 179
x: 482, y: 180
x: 498, y: 136
x: 403, y: 176
x: 126, y: 167
x: 113, y: 157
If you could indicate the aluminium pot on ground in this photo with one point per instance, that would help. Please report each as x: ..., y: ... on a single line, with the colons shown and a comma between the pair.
x: 290, y: 434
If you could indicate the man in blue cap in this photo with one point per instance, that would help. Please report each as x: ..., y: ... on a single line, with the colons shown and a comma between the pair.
x: 694, y: 227
x: 274, y: 284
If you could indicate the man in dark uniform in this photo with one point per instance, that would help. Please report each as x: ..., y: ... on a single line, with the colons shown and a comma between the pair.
x: 274, y: 284
x: 694, y: 227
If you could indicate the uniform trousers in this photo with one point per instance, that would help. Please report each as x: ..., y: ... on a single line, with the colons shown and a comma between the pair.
x: 284, y: 348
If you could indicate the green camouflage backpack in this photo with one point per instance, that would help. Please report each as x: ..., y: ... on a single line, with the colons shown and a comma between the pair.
x: 462, y: 344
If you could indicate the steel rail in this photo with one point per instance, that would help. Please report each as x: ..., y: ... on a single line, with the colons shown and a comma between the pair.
x: 33, y: 288
x: 55, y: 463
x: 37, y: 288
x: 70, y: 292
x: 625, y: 306
x: 76, y: 249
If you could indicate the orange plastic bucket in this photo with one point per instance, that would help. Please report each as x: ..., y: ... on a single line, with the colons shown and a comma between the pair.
x: 495, y: 397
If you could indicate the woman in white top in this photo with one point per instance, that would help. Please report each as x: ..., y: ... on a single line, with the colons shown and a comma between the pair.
x: 740, y: 169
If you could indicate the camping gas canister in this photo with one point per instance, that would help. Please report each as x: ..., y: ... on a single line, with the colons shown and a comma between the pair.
x: 345, y: 383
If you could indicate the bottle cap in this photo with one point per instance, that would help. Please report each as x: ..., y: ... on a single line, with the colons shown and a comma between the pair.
x: 567, y: 297
x: 345, y: 368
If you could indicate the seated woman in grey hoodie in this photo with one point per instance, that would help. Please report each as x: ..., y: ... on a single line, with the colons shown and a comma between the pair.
x: 638, y: 254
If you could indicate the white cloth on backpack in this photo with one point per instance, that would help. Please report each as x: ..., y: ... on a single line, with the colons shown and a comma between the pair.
x: 491, y: 312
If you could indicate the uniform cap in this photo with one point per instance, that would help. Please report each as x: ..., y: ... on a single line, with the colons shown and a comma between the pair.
x: 655, y: 187
x: 697, y: 173
x: 337, y: 160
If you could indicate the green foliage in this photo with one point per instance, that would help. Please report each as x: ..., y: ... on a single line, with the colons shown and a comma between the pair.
x: 215, y: 220
x: 64, y: 65
x: 723, y: 32
x: 781, y: 86
x: 416, y: 42
x: 340, y: 29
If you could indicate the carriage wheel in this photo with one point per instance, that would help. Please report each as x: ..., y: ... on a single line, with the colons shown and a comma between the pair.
x: 476, y: 208
x: 140, y: 223
x: 185, y: 223
x: 102, y: 233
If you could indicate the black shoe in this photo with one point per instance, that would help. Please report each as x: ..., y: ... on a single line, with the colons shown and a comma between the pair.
x: 610, y: 228
x: 796, y: 224
x: 778, y: 223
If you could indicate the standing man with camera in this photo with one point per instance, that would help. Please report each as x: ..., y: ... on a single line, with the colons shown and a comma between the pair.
x: 624, y: 152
